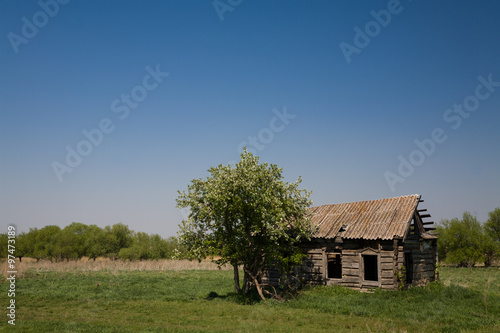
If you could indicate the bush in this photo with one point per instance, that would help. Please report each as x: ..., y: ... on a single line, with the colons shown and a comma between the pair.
x: 465, y: 242
x: 128, y: 253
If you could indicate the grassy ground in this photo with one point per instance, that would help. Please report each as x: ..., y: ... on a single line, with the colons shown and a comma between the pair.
x: 133, y: 300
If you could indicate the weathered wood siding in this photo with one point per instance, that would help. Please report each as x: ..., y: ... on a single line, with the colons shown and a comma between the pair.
x: 390, y: 260
x: 424, y: 256
x: 314, y: 270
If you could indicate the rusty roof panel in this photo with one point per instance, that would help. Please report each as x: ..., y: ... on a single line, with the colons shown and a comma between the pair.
x: 374, y: 219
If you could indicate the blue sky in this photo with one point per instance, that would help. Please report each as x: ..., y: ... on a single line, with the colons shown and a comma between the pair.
x: 272, y: 70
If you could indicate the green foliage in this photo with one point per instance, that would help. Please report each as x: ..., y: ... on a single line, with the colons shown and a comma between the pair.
x: 78, y: 240
x: 246, y: 215
x: 466, y: 242
x: 154, y: 247
x: 22, y: 245
x: 44, y: 241
x: 19, y: 246
x: 128, y: 253
x: 98, y: 242
x: 401, y: 277
x: 158, y: 247
x: 70, y: 242
x: 492, y: 242
x: 460, y: 241
x: 3, y: 245
x: 120, y: 237
x: 492, y: 226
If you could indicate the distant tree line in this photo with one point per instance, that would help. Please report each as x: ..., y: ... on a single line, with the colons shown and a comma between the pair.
x: 462, y: 242
x: 466, y: 242
x: 79, y: 240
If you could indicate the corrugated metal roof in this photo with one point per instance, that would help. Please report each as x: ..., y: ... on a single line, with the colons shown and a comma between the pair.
x: 375, y: 219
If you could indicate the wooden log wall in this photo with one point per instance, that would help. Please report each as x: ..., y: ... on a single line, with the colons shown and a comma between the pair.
x: 424, y: 256
x: 390, y: 254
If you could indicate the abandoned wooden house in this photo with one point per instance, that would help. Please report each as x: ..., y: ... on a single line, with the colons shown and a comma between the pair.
x: 370, y: 244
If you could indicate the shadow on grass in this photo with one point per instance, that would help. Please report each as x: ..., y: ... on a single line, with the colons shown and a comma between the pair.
x: 240, y: 298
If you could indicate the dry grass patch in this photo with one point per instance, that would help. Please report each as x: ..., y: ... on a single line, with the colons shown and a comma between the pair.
x: 114, y: 266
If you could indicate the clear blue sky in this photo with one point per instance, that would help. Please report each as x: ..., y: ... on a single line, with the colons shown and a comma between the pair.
x: 352, y: 94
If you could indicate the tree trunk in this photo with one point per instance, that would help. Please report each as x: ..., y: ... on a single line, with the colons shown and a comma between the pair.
x: 246, y: 282
x: 252, y: 276
x: 236, y: 279
x: 259, y: 289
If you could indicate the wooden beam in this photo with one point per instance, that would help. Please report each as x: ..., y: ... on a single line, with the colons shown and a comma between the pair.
x: 421, y: 210
x: 429, y: 228
x: 430, y: 222
x: 423, y: 216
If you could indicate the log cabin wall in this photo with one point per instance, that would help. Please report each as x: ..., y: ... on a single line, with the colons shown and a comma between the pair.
x: 420, y: 260
x: 370, y: 244
x: 366, y: 264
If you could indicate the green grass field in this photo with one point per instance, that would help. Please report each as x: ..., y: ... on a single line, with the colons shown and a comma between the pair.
x: 202, y: 301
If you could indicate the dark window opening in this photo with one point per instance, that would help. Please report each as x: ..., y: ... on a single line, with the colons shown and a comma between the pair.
x: 370, y: 264
x: 409, y: 267
x: 334, y: 266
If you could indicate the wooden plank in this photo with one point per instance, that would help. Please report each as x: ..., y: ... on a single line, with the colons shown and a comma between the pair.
x: 324, y: 264
x: 350, y: 271
x: 387, y: 274
x: 387, y: 266
x: 347, y: 252
x: 351, y: 279
x: 423, y: 216
x: 387, y: 259
x: 388, y: 286
x: 390, y: 280
x: 351, y: 264
x: 314, y: 257
x: 388, y: 283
